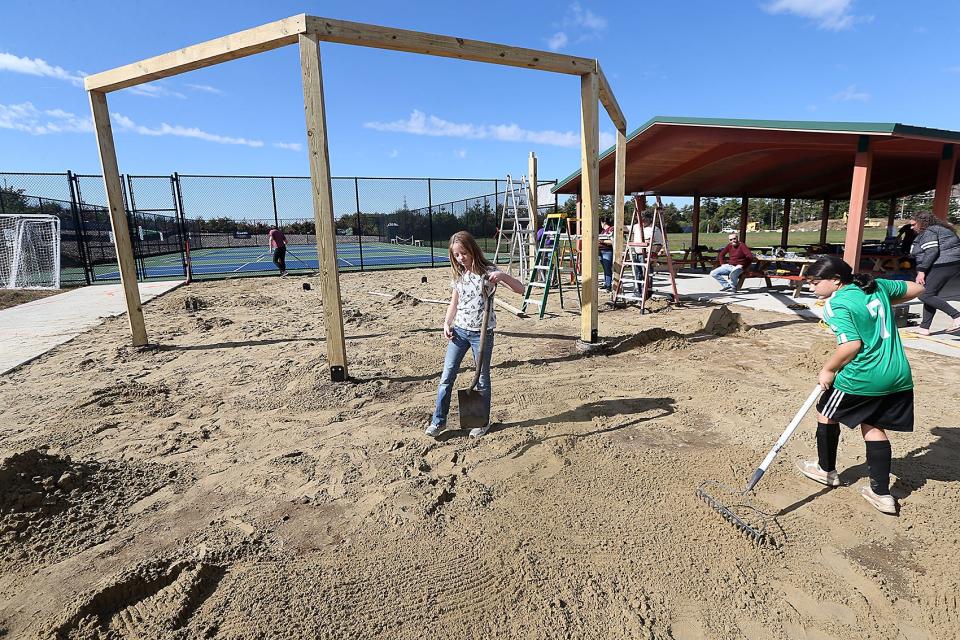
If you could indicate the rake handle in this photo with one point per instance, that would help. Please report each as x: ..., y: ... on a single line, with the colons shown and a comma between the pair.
x: 755, y: 478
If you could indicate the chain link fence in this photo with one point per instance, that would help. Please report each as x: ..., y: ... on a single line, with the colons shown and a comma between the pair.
x: 213, y: 226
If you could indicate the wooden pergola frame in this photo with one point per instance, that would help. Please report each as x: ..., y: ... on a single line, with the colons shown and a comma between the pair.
x: 308, y: 32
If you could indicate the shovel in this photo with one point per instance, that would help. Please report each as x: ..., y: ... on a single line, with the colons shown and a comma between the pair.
x: 474, y: 406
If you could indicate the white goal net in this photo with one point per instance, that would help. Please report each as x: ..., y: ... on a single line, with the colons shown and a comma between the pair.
x: 29, y: 252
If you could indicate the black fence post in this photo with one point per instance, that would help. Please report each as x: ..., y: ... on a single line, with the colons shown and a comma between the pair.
x: 430, y: 217
x: 356, y: 191
x: 78, y: 228
x: 273, y: 190
x: 131, y: 211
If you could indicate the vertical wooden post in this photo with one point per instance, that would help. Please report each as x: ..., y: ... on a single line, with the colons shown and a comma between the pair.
x: 824, y: 220
x: 859, y: 193
x: 744, y: 209
x: 590, y: 189
x: 118, y: 216
x: 323, y: 203
x: 945, y: 172
x: 533, y: 225
x: 619, y: 192
x: 785, y: 233
x: 695, y: 232
x: 891, y: 212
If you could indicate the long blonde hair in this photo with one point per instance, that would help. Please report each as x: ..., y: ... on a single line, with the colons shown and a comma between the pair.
x: 465, y: 240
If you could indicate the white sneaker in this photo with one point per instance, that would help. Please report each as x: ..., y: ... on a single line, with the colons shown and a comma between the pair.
x: 479, y: 431
x: 433, y: 430
x: 812, y: 470
x: 883, y: 504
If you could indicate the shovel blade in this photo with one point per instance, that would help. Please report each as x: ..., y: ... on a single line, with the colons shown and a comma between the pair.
x: 474, y: 410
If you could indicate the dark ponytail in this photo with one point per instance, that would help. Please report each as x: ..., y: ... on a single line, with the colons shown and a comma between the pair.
x: 829, y: 267
x: 865, y: 281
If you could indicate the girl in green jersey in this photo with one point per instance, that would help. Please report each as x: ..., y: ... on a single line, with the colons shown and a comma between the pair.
x: 867, y: 381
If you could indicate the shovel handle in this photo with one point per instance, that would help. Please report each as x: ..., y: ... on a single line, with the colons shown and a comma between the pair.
x: 487, y: 307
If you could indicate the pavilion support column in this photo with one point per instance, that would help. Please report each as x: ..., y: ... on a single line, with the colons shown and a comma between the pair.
x: 323, y: 204
x: 118, y: 216
x: 891, y: 212
x: 945, y: 173
x: 590, y: 190
x: 785, y: 232
x: 824, y: 220
x: 859, y: 193
x: 619, y: 187
x: 744, y: 208
x: 533, y: 225
x: 695, y: 232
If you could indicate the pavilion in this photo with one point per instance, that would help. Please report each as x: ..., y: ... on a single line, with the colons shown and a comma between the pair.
x: 721, y: 157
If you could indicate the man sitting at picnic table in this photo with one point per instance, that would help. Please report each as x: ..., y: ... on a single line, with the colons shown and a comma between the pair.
x: 738, y: 258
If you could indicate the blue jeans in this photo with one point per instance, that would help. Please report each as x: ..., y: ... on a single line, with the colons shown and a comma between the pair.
x: 606, y: 259
x: 456, y: 349
x: 727, y: 275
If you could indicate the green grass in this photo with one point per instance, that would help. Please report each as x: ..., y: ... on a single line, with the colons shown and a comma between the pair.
x: 771, y: 238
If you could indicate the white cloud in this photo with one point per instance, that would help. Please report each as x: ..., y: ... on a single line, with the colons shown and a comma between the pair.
x: 422, y: 124
x: 37, y: 67
x: 126, y: 124
x: 832, y: 15
x: 205, y: 88
x: 557, y: 41
x: 582, y: 23
x: 393, y: 153
x: 27, y: 118
x: 460, y: 153
x: 851, y: 94
x: 155, y: 90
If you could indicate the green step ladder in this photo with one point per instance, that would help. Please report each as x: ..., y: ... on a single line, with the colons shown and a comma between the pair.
x: 547, y: 272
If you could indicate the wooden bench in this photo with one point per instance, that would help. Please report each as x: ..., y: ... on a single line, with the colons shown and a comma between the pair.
x: 796, y: 279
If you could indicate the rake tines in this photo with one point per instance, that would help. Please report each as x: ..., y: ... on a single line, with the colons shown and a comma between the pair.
x: 755, y: 533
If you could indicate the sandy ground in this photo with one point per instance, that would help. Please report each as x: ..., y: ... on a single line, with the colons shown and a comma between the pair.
x: 13, y: 297
x: 218, y: 485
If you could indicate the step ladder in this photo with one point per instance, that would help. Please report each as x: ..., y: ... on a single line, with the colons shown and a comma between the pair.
x: 548, y: 271
x: 644, y: 254
x: 515, y: 234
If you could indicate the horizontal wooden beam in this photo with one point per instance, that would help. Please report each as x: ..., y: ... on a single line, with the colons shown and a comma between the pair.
x: 367, y: 35
x: 236, y: 45
x: 609, y: 102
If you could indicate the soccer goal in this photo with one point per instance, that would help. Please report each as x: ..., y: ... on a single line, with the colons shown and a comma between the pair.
x: 29, y: 252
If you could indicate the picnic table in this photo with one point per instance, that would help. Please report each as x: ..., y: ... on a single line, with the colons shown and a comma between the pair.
x: 693, y: 256
x: 765, y: 266
x: 882, y: 262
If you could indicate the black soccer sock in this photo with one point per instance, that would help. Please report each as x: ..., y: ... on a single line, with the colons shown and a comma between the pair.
x: 878, y: 463
x: 828, y: 438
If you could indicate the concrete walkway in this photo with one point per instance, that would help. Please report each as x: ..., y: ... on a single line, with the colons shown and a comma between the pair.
x: 30, y: 330
x: 697, y: 286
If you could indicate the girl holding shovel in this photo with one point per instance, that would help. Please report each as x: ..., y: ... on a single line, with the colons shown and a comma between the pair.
x: 474, y: 281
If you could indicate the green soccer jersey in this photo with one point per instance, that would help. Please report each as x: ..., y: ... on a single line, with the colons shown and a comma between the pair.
x: 880, y: 367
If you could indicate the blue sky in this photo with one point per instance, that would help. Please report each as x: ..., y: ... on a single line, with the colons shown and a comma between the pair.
x: 397, y: 114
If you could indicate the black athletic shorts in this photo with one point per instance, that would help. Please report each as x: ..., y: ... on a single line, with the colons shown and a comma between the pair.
x: 893, y: 411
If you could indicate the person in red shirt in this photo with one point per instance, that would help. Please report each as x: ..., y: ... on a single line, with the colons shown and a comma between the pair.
x: 278, y: 243
x: 738, y: 258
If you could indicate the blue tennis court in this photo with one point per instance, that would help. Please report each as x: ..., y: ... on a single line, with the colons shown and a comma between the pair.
x: 229, y: 260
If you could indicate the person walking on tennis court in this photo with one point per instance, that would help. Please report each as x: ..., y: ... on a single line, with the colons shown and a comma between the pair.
x: 867, y: 381
x: 278, y: 243
x: 937, y: 251
x: 472, y: 272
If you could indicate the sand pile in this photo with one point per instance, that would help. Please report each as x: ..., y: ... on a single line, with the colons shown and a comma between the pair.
x: 219, y: 485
